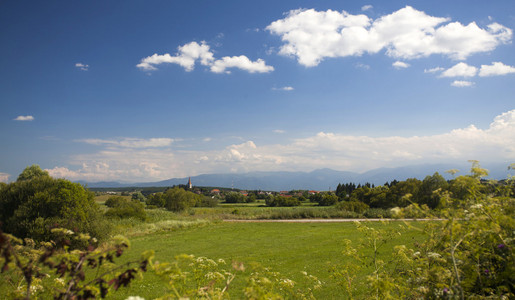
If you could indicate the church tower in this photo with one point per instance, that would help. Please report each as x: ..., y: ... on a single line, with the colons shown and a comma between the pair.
x: 189, y: 183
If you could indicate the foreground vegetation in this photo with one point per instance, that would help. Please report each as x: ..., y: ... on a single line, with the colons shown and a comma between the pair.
x: 468, y: 253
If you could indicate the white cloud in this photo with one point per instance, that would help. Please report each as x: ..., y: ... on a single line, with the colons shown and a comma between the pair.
x: 279, y: 131
x: 311, y: 36
x: 400, y: 65
x: 460, y: 70
x: 82, y: 66
x: 131, y: 142
x: 497, y: 68
x: 366, y: 7
x: 4, y: 177
x: 462, y: 83
x: 24, y: 118
x: 284, y: 88
x: 240, y: 62
x: 190, y: 53
x: 338, y: 151
x: 186, y: 57
x: 434, y: 70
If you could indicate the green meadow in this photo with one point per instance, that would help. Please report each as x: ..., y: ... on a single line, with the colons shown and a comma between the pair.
x: 287, y: 248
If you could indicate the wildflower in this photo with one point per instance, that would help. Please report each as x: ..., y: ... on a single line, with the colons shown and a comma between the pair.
x: 476, y: 206
x: 501, y: 246
x: 487, y: 271
x: 59, y: 281
x: 288, y: 283
x: 135, y: 298
x: 433, y: 255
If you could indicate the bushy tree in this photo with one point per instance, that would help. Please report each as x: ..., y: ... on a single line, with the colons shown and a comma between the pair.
x: 324, y: 199
x: 115, y: 201
x: 234, y: 197
x: 35, y: 203
x: 398, y: 192
x: 177, y: 199
x: 138, y: 196
x: 276, y: 201
x: 156, y: 199
x: 428, y: 191
x: 32, y: 172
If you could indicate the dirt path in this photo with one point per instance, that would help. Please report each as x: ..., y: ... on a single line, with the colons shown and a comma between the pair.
x: 323, y: 220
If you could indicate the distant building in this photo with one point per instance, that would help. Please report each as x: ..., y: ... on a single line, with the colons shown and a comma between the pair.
x: 215, y: 191
x: 189, y: 183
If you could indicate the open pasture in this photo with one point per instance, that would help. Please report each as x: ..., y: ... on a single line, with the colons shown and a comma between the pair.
x: 287, y: 248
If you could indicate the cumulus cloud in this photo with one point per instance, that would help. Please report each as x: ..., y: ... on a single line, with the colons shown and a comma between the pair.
x: 188, y: 55
x: 24, y: 118
x: 497, y: 68
x: 460, y: 70
x: 400, y: 65
x: 462, y: 83
x: 240, y: 62
x: 311, y: 36
x: 82, y: 66
x: 4, y: 177
x: 131, y: 142
x: 325, y: 149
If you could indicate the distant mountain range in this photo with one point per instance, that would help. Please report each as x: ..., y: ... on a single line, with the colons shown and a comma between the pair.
x: 321, y: 179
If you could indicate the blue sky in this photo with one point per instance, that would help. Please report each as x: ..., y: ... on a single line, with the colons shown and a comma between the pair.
x: 149, y: 90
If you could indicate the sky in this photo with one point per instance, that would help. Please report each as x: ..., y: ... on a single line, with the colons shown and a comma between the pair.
x: 136, y: 91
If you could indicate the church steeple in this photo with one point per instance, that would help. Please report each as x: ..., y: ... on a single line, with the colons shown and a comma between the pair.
x: 189, y: 183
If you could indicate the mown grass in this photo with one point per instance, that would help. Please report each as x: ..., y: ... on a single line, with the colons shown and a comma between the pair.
x: 287, y: 248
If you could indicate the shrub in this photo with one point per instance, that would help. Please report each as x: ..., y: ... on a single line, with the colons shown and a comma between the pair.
x: 29, y: 208
x: 127, y: 209
x: 377, y: 213
x: 354, y: 206
x: 282, y: 201
x: 234, y: 197
x: 138, y: 196
x: 156, y: 199
x: 207, y: 201
x: 114, y: 201
x: 324, y: 199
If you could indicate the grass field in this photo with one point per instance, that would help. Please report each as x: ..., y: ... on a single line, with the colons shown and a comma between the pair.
x: 287, y: 248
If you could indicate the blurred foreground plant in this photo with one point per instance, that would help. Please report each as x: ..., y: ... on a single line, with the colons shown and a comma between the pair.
x: 55, y: 269
x: 469, y: 254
